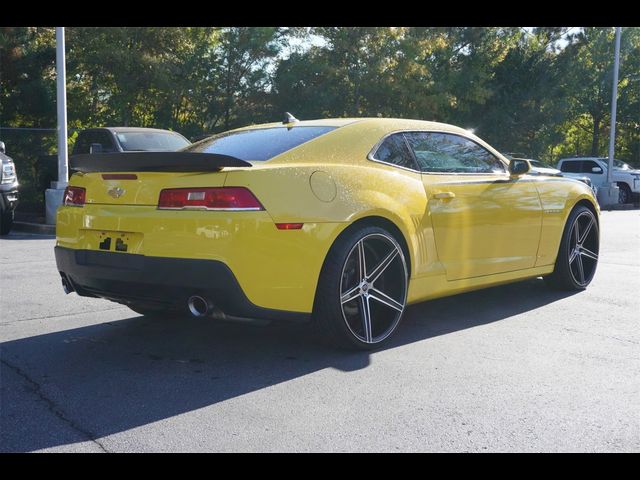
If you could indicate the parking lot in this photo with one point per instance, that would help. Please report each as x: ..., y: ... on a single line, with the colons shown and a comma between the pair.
x: 512, y: 368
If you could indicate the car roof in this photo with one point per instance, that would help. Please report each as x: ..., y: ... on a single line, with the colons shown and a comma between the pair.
x: 132, y: 129
x: 390, y: 124
x: 584, y: 158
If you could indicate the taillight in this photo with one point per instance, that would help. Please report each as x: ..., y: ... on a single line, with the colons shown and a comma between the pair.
x: 213, y: 198
x: 74, y: 196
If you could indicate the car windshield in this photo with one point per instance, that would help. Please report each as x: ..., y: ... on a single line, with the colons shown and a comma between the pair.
x: 259, y: 144
x: 151, y: 141
x: 620, y: 164
x: 539, y: 164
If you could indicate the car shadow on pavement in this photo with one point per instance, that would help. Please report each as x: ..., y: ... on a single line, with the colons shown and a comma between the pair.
x: 112, y: 377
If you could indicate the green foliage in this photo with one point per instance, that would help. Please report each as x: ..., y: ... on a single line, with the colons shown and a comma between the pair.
x: 545, y: 92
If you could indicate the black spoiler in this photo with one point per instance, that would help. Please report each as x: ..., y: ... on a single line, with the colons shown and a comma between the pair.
x: 153, y: 162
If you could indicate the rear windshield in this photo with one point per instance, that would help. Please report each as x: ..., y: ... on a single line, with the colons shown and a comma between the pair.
x: 259, y: 144
x: 150, y: 141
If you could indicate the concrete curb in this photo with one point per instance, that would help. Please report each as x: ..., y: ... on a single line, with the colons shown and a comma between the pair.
x: 626, y: 206
x: 39, y: 228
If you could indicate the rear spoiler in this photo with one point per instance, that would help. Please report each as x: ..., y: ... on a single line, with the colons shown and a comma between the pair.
x: 153, y: 162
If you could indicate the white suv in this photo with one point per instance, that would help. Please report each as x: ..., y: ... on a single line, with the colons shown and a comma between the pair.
x: 627, y: 179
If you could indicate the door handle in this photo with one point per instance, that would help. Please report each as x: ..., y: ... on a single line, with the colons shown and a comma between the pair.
x: 444, y: 195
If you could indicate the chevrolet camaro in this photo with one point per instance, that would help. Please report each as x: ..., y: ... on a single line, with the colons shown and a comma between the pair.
x: 341, y: 222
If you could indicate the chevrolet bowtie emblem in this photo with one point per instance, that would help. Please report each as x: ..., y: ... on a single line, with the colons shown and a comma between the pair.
x: 115, y: 192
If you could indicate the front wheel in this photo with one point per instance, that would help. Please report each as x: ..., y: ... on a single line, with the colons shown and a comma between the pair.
x: 362, y: 289
x: 578, y: 255
x: 624, y: 193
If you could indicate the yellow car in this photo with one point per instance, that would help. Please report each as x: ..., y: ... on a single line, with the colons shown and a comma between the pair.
x: 342, y: 222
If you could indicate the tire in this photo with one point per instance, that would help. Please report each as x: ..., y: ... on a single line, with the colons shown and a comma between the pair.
x: 577, y: 258
x: 6, y: 222
x: 624, y: 195
x: 359, y: 308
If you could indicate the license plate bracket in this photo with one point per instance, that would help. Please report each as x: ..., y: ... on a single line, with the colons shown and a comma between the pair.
x: 113, y: 241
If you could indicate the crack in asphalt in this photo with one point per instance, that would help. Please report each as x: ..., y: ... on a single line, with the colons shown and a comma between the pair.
x: 62, y: 315
x: 53, y: 408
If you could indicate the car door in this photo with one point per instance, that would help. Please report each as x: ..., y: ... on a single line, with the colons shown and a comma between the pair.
x: 484, y: 221
x: 594, y: 171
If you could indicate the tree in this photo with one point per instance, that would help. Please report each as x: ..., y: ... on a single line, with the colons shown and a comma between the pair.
x: 591, y: 75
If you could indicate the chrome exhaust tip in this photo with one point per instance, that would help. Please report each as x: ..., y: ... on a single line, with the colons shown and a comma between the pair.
x: 199, y: 306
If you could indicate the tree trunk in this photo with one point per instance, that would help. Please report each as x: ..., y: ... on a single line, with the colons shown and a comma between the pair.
x: 228, y: 96
x: 595, y: 140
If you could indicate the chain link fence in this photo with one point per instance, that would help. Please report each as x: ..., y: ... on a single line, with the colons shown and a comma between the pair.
x: 34, y: 151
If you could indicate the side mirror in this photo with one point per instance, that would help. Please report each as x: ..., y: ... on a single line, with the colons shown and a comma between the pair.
x: 596, y: 170
x: 95, y: 148
x: 2, y: 150
x: 519, y: 167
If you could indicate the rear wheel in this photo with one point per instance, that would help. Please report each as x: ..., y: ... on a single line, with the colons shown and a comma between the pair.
x: 6, y: 221
x: 362, y: 290
x: 578, y: 255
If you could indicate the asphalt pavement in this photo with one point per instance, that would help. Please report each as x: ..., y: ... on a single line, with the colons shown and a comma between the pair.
x: 511, y: 368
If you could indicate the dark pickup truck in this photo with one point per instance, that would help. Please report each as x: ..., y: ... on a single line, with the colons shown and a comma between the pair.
x: 8, y: 191
x: 127, y: 139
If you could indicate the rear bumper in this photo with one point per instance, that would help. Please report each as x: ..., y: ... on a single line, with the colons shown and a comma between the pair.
x: 160, y: 281
x: 276, y: 269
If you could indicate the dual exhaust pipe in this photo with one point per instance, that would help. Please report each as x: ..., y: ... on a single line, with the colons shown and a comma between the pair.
x: 198, y: 306
x: 203, y: 307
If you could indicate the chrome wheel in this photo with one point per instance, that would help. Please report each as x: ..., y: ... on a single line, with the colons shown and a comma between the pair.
x: 373, y: 288
x: 583, y: 248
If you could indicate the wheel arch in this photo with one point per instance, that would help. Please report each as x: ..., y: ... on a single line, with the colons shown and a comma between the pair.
x: 382, y: 222
x: 589, y: 204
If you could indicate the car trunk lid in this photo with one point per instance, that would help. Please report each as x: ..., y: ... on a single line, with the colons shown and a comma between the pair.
x: 137, y: 178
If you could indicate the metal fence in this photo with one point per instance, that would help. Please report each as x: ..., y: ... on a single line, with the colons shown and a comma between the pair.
x: 34, y: 152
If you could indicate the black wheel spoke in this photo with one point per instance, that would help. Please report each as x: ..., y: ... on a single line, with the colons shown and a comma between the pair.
x: 362, y: 261
x: 580, y: 268
x: 588, y: 253
x: 382, y: 266
x: 385, y: 299
x: 365, y: 313
x: 586, y: 230
x: 351, y: 294
x: 574, y: 254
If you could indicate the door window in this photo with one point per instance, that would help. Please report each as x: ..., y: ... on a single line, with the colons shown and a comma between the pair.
x: 449, y: 153
x: 571, y: 166
x: 588, y: 165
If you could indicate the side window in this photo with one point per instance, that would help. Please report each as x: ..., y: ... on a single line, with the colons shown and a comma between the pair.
x: 571, y: 166
x: 445, y: 152
x: 82, y: 143
x: 587, y: 165
x: 394, y: 150
x: 85, y: 139
x: 104, y: 138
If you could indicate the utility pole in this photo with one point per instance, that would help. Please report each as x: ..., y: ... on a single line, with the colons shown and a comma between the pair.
x: 614, y: 106
x: 610, y: 195
x: 53, y: 195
